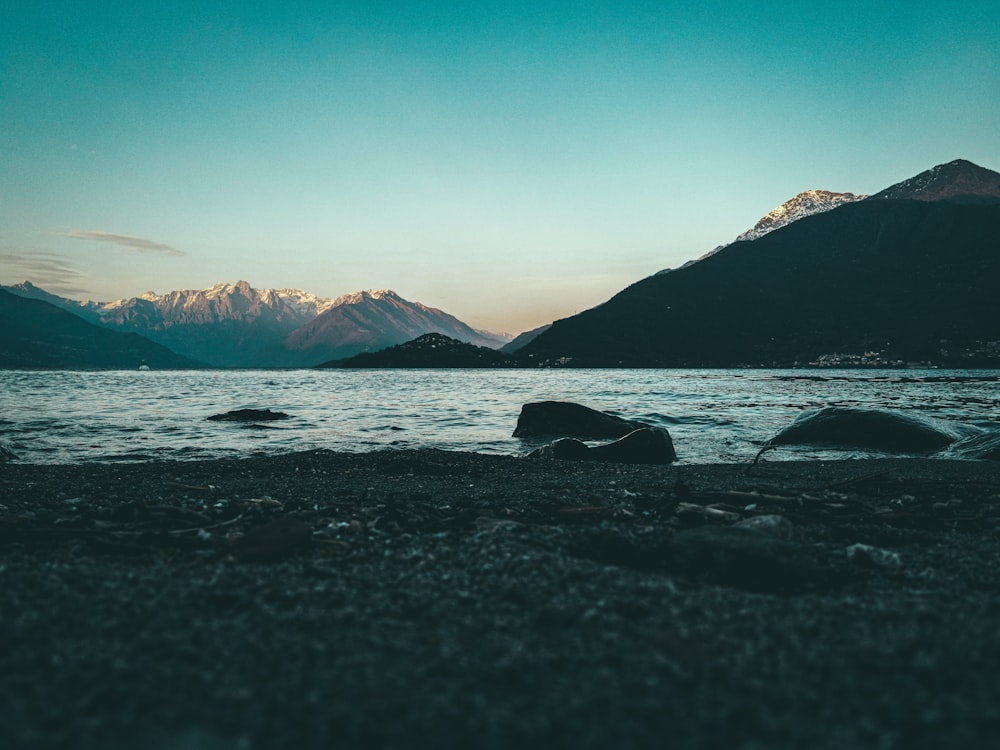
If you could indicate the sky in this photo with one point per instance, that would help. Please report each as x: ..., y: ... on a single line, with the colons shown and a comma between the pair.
x: 510, y: 163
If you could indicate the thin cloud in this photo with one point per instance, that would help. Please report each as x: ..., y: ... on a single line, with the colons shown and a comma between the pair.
x: 50, y: 271
x: 123, y: 240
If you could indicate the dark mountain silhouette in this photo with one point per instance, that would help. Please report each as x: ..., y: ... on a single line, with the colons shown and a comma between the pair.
x: 36, y: 334
x: 914, y: 279
x: 430, y: 350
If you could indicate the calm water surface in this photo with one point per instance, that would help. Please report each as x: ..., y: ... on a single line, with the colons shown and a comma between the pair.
x: 713, y: 415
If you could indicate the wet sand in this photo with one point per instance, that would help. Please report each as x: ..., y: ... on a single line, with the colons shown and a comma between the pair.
x: 433, y: 599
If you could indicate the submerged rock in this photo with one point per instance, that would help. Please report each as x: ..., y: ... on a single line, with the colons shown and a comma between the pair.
x: 549, y: 418
x: 248, y: 415
x: 863, y: 428
x: 647, y: 445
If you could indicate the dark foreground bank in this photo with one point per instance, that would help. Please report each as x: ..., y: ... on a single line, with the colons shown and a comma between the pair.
x: 430, y: 599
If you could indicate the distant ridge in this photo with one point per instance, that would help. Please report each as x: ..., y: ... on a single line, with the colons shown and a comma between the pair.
x: 37, y: 334
x: 89, y: 311
x: 523, y: 339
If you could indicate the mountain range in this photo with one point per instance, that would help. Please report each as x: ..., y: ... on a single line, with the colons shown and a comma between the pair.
x: 236, y: 325
x: 907, y: 275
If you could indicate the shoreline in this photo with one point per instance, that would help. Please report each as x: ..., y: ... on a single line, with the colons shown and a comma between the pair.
x: 434, y: 599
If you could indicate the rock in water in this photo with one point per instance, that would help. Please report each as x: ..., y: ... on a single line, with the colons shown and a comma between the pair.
x: 647, y: 445
x: 863, y: 428
x: 248, y: 415
x: 549, y: 418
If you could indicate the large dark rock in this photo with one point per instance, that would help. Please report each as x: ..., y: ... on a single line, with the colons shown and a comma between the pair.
x: 647, y: 445
x: 248, y: 415
x: 863, y: 428
x: 550, y: 418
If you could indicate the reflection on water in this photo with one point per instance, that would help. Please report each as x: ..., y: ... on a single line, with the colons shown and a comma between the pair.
x: 713, y: 415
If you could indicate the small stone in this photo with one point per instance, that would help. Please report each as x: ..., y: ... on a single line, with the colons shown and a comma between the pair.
x: 874, y: 556
x: 771, y: 524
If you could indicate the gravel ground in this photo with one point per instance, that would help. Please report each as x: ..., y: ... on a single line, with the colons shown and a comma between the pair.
x: 433, y: 599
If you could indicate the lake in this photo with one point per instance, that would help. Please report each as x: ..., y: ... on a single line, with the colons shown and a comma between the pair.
x: 713, y: 415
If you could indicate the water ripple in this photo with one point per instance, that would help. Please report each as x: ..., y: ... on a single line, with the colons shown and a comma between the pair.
x: 713, y: 415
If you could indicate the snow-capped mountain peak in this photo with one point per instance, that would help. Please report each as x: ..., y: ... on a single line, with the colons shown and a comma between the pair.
x: 804, y: 204
x: 305, y: 303
x: 356, y: 298
x: 236, y: 325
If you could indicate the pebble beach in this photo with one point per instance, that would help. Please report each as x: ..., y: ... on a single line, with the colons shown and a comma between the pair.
x: 404, y: 599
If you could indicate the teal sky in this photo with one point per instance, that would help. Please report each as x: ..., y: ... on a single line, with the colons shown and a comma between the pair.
x: 510, y: 163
